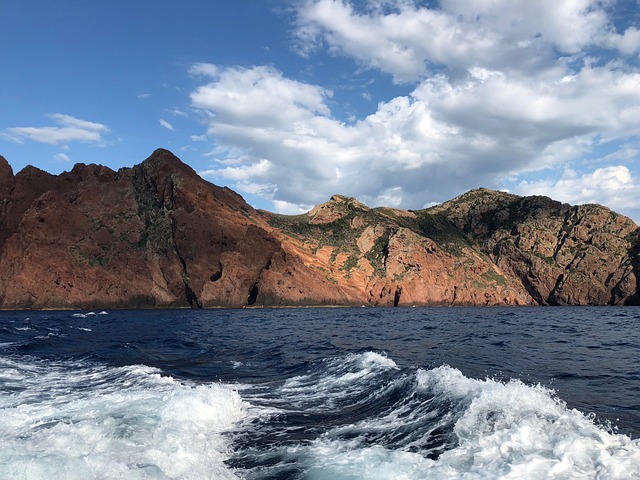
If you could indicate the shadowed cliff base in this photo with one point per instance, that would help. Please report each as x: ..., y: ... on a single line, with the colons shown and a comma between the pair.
x: 159, y: 236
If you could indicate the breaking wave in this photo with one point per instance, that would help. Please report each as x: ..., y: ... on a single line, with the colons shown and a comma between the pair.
x: 361, y: 416
x: 73, y: 421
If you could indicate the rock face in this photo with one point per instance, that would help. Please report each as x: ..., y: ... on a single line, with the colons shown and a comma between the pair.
x: 157, y: 235
x: 561, y: 254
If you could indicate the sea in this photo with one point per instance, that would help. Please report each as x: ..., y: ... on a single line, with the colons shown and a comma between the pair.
x: 321, y: 393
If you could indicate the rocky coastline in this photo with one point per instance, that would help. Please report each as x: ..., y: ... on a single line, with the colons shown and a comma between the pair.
x: 158, y: 236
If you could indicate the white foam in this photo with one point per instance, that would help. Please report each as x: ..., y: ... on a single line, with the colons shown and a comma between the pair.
x: 504, y: 431
x: 128, y: 422
x: 335, y: 460
x: 522, y: 431
x: 63, y: 420
x: 89, y: 314
x: 339, y: 378
x: 373, y: 359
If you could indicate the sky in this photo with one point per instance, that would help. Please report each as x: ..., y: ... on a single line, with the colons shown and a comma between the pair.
x: 398, y: 103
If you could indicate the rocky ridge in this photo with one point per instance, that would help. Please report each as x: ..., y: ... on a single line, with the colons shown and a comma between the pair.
x: 157, y: 235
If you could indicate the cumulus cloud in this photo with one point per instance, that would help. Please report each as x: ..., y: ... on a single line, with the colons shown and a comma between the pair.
x: 408, y: 40
x: 443, y: 137
x: 259, y: 96
x: 289, y: 208
x: 613, y: 186
x: 497, y: 92
x: 628, y: 42
x: 69, y: 129
x: 242, y: 172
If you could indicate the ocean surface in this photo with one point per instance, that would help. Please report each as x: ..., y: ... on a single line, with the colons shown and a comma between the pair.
x: 330, y: 393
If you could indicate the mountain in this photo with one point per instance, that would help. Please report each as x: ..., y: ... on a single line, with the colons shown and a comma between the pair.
x: 158, y: 235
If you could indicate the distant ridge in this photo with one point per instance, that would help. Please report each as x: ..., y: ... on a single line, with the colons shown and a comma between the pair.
x: 157, y: 235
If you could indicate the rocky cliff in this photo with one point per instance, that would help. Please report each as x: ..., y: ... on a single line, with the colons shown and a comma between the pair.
x: 157, y: 235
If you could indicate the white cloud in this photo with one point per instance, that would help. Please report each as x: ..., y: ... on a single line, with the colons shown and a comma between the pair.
x: 502, y: 91
x: 265, y: 190
x: 408, y: 40
x: 259, y: 96
x: 628, y: 43
x: 10, y: 138
x: 166, y: 125
x: 289, y: 208
x: 244, y: 172
x: 176, y: 112
x: 391, y: 197
x: 62, y: 157
x: 204, y: 70
x: 198, y: 138
x: 70, y: 129
x: 613, y: 186
x: 443, y: 138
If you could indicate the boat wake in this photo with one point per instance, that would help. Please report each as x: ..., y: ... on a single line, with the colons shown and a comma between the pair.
x: 348, y: 417
x: 361, y: 416
x: 75, y: 421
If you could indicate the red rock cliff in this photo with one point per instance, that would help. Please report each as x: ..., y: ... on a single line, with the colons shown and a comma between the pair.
x: 157, y: 235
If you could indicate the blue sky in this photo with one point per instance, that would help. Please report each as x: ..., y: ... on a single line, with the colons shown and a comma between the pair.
x: 396, y: 102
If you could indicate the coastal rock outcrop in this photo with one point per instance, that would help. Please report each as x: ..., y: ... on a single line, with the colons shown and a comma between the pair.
x: 158, y: 235
x: 562, y: 254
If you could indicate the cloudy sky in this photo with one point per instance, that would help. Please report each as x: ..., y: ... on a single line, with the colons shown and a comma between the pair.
x: 402, y: 103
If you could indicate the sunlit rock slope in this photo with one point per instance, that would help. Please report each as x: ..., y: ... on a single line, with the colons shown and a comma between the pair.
x: 158, y: 235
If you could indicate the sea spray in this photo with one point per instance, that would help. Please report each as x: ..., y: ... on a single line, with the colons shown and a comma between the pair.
x: 83, y: 421
x: 434, y: 424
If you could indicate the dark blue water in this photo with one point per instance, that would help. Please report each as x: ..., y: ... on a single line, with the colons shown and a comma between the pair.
x: 321, y: 393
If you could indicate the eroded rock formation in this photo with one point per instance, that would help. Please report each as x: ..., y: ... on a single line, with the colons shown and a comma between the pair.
x: 157, y: 235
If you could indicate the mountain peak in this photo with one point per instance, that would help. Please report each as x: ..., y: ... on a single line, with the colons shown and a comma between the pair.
x: 482, y: 193
x: 348, y: 201
x: 337, y: 207
x: 164, y: 162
